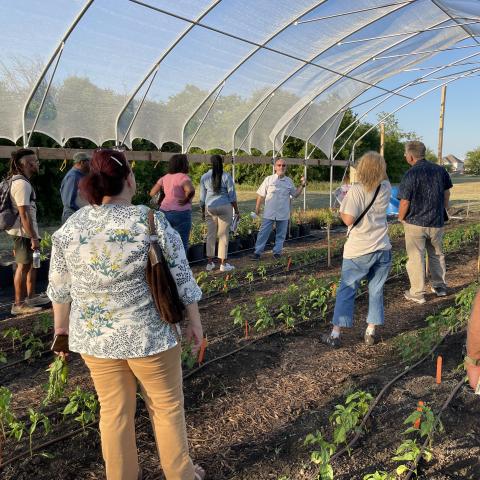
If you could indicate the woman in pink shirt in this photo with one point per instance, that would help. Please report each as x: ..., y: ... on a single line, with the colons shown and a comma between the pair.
x: 176, y: 193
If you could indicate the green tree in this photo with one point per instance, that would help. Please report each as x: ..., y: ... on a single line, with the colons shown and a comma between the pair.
x: 472, y: 162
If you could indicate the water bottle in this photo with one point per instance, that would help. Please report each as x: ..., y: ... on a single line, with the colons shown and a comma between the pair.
x: 36, y: 259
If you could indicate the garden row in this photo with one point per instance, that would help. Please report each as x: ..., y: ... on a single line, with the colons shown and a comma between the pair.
x: 347, y: 423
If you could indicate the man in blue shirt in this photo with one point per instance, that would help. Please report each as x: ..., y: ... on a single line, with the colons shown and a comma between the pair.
x: 424, y: 193
x: 71, y: 200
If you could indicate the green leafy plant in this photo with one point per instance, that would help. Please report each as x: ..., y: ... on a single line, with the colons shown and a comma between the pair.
x: 264, y: 319
x: 37, y: 418
x: 188, y: 358
x: 249, y: 277
x: 33, y: 346
x: 379, y: 475
x: 17, y: 429
x: 44, y: 323
x: 345, y: 418
x: 321, y: 455
x: 237, y: 314
x: 3, y: 357
x: 406, y: 454
x: 262, y: 272
x: 287, y: 315
x: 83, y: 404
x: 57, y: 381
x: 45, y: 246
x: 6, y: 414
x: 14, y: 334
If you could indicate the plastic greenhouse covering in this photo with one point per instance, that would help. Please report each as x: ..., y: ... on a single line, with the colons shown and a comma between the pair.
x: 229, y: 74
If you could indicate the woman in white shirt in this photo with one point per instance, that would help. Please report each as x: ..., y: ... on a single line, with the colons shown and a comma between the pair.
x: 367, y: 251
x: 101, y: 300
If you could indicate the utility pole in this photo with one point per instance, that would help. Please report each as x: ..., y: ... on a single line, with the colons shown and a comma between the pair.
x: 440, y: 129
x: 382, y: 139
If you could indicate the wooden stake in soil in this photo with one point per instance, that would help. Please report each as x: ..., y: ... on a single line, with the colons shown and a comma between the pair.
x: 416, y: 424
x: 439, y: 369
x: 289, y: 263
x: 246, y: 328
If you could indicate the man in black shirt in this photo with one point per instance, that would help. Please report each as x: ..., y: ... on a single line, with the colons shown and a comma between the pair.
x: 424, y: 193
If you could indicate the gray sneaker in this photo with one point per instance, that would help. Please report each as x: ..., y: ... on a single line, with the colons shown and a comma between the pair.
x: 369, y: 339
x: 37, y: 300
x: 439, y: 291
x: 413, y: 298
x: 327, y: 339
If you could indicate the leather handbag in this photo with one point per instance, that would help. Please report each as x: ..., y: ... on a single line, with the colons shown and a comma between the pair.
x: 159, y: 278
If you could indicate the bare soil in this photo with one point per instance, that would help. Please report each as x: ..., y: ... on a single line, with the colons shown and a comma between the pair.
x: 248, y: 413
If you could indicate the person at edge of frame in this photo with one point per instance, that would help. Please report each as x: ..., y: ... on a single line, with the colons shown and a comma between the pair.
x: 24, y: 232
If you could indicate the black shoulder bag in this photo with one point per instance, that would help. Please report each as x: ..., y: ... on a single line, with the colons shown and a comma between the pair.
x: 359, y: 219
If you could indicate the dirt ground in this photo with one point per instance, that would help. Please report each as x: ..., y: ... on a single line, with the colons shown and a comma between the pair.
x: 247, y: 414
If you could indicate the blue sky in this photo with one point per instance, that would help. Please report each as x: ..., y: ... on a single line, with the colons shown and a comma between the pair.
x: 461, y: 130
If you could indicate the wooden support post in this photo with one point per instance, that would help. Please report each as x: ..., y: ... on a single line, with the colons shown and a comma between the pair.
x: 382, y: 139
x: 440, y: 129
x: 329, y: 251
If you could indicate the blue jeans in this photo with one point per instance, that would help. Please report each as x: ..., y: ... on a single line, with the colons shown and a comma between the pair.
x: 375, y: 267
x: 181, y: 221
x: 264, y: 233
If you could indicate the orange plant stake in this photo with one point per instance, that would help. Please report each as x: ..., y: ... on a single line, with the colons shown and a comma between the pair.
x: 201, y: 353
x: 246, y: 328
x: 439, y: 369
x: 416, y: 424
x: 289, y: 264
x: 225, y: 286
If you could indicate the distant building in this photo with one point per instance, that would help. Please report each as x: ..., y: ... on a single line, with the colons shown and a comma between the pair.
x: 457, y: 165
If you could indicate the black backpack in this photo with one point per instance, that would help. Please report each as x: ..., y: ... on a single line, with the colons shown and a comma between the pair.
x: 7, y: 216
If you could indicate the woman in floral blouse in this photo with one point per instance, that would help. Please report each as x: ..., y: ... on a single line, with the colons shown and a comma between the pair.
x: 101, y: 300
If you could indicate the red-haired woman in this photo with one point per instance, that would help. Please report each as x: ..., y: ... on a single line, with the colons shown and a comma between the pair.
x: 102, y: 301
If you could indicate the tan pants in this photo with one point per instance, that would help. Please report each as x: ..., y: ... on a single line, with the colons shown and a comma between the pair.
x: 218, y: 220
x: 160, y: 378
x: 417, y: 240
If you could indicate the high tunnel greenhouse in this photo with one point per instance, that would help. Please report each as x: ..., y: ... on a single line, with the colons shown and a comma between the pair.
x: 228, y: 74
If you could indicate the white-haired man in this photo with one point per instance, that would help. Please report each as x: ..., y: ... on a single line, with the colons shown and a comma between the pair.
x: 275, y: 191
x: 424, y: 193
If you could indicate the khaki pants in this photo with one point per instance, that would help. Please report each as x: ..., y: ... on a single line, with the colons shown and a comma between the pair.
x: 218, y: 220
x: 160, y: 378
x: 417, y: 239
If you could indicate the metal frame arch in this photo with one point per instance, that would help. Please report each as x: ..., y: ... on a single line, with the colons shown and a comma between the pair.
x: 402, y: 87
x: 446, y: 12
x: 353, y: 68
x: 153, y: 70
x: 472, y: 71
x: 47, y: 66
x: 301, y: 67
x: 244, y: 60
